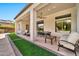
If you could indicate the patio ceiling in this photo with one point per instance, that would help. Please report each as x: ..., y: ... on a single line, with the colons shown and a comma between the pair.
x: 46, y: 9
x: 25, y: 17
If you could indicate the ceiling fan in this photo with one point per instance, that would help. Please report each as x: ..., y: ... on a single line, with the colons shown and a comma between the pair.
x: 41, y: 15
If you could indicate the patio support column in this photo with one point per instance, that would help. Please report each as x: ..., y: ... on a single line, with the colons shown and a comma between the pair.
x: 74, y: 20
x: 15, y: 26
x: 35, y: 24
x: 77, y: 6
x: 20, y: 27
x: 32, y: 25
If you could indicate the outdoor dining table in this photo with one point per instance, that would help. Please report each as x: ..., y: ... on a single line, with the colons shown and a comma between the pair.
x: 52, y: 38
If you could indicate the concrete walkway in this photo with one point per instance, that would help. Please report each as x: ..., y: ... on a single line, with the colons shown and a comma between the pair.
x: 5, y: 46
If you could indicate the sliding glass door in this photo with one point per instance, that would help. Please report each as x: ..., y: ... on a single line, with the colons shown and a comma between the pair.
x: 63, y: 24
x: 40, y: 27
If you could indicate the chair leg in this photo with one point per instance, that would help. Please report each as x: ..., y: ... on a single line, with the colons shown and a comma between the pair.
x: 45, y: 40
x: 51, y: 41
x: 55, y: 39
x: 58, y: 48
x: 75, y: 52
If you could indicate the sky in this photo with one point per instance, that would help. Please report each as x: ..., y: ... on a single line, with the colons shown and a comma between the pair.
x: 9, y: 10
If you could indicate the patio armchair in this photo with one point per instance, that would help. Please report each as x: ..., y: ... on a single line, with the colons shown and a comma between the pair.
x: 70, y: 43
x: 27, y: 33
x: 40, y: 33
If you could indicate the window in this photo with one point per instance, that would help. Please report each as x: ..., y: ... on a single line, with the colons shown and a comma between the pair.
x: 63, y: 23
x: 27, y: 28
x: 40, y: 26
x: 18, y: 26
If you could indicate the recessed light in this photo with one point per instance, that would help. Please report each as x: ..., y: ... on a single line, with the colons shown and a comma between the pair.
x: 48, y: 9
x: 54, y: 7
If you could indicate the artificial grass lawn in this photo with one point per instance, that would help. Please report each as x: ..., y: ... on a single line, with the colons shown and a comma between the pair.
x: 27, y: 48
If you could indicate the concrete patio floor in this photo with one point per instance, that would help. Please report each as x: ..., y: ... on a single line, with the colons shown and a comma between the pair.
x: 7, y: 50
x: 41, y: 42
x: 5, y: 46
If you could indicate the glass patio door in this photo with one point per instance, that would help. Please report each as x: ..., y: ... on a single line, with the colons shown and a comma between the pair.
x: 63, y: 24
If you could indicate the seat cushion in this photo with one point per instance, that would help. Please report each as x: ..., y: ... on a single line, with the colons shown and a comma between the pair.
x: 67, y: 45
x: 56, y: 34
x: 73, y: 37
x: 26, y: 31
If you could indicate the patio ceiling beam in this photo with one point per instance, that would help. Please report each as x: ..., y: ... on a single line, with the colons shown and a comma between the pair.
x: 40, y: 6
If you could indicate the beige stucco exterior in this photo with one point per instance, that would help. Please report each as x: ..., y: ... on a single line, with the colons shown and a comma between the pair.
x: 23, y: 21
x: 49, y: 22
x: 32, y: 30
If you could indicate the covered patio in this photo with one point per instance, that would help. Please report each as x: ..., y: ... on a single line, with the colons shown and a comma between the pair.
x: 40, y: 41
x: 55, y: 18
x: 23, y: 25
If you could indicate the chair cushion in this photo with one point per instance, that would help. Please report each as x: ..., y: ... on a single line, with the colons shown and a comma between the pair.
x: 63, y: 38
x: 73, y: 37
x: 67, y: 45
x: 26, y: 31
x: 56, y: 34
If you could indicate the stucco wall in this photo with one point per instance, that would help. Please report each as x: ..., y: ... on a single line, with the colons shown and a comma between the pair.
x: 49, y: 21
x: 22, y: 24
x: 23, y: 14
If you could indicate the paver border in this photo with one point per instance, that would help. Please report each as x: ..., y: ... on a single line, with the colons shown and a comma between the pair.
x: 16, y: 50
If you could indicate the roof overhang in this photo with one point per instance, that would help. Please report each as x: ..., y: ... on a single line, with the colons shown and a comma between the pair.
x: 25, y: 8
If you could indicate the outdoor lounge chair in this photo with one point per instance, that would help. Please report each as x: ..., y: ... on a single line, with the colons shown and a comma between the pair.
x: 27, y: 33
x: 71, y: 43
